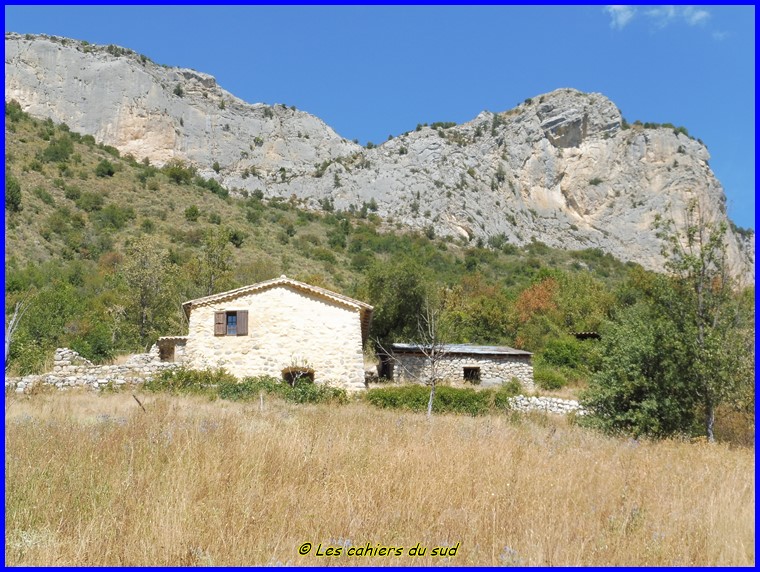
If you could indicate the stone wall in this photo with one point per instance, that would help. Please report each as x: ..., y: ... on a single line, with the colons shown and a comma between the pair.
x: 494, y: 370
x: 72, y: 370
x: 546, y: 404
x: 286, y: 327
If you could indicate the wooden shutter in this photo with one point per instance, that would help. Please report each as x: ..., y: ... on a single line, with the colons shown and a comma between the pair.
x: 220, y: 323
x: 242, y: 323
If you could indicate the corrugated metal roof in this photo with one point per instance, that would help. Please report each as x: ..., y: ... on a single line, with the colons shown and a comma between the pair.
x: 463, y: 349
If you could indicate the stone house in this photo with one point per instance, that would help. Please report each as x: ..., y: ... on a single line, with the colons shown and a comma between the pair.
x: 280, y: 327
x: 486, y: 366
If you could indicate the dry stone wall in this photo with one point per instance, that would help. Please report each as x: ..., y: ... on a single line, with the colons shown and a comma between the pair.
x: 72, y: 370
x: 547, y: 404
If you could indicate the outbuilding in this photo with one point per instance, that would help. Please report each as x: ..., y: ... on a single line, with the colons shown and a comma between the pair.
x: 487, y: 366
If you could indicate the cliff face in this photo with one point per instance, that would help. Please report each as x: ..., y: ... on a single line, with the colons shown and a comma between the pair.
x: 561, y: 168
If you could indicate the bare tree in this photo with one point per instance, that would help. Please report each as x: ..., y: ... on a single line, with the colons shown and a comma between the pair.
x: 430, y: 344
x: 10, y: 328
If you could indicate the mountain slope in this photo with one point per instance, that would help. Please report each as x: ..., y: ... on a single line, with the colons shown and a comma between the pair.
x: 563, y: 168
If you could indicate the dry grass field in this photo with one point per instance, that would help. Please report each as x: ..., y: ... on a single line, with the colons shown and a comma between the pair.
x: 95, y: 480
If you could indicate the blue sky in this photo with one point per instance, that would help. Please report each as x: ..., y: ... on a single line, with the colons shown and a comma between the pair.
x: 374, y: 71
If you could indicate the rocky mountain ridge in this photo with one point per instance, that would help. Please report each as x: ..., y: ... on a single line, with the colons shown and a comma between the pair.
x: 563, y: 168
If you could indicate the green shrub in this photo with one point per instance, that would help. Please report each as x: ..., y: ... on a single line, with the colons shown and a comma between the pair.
x: 13, y: 111
x: 110, y: 149
x: 58, y: 150
x: 321, y: 253
x: 114, y: 216
x: 302, y: 392
x: 237, y: 237
x: 563, y: 352
x: 411, y: 397
x: 12, y: 193
x: 89, y: 201
x: 105, y: 169
x: 192, y: 213
x: 465, y: 401
x: 43, y: 195
x: 181, y: 380
x: 548, y: 377
x: 179, y: 172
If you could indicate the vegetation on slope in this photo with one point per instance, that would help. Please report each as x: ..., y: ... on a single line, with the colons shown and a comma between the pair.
x: 104, y: 249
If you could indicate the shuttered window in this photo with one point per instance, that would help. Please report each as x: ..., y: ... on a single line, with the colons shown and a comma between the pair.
x: 220, y: 323
x: 242, y: 323
x: 233, y: 323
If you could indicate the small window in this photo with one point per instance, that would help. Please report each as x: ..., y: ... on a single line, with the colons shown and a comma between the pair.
x: 472, y: 374
x: 232, y: 323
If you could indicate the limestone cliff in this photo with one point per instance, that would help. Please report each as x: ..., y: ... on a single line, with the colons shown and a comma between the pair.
x: 562, y: 168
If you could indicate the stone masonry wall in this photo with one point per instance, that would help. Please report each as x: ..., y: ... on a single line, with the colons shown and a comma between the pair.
x: 72, y: 370
x: 286, y: 327
x: 494, y: 371
x: 546, y: 404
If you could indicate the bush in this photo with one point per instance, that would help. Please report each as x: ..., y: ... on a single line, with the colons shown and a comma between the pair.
x: 237, y: 237
x: 192, y: 213
x: 464, y: 401
x: 563, y: 352
x: 72, y: 193
x: 58, y: 150
x: 181, y: 380
x: 13, y: 111
x: 548, y: 377
x: 43, y: 195
x: 12, y: 193
x: 115, y: 217
x: 89, y: 201
x: 179, y: 172
x: 105, y: 169
x: 302, y: 392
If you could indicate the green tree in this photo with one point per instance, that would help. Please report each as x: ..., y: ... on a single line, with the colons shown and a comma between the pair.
x: 212, y: 270
x: 706, y: 309
x: 398, y: 290
x: 682, y: 348
x: 179, y: 172
x: 12, y: 193
x: 58, y: 150
x: 639, y: 388
x: 150, y: 291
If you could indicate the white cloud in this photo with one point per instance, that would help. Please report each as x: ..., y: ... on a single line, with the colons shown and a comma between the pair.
x: 660, y: 16
x: 719, y: 36
x: 694, y: 16
x: 620, y: 15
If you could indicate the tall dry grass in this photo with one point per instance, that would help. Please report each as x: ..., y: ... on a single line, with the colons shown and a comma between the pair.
x: 93, y: 480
